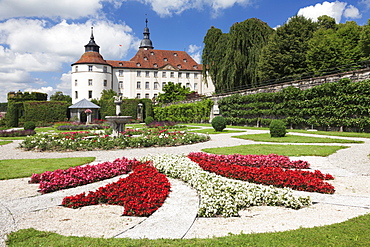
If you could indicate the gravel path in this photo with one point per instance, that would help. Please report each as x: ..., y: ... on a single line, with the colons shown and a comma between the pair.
x: 21, y: 206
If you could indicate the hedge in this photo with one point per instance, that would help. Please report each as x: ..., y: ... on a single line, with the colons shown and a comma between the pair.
x: 42, y: 112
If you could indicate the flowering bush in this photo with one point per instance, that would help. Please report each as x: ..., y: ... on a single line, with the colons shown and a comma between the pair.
x: 276, y: 176
x: 141, y: 193
x: 80, y: 175
x: 78, y: 141
x: 271, y: 160
x: 13, y: 133
x: 88, y: 111
x: 220, y: 195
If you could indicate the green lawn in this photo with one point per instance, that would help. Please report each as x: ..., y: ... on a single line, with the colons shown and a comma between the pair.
x: 293, y: 139
x: 5, y: 142
x: 354, y: 232
x: 26, y: 167
x: 212, y: 131
x: 287, y: 150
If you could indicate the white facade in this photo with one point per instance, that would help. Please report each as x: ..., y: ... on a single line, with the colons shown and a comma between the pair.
x: 144, y: 76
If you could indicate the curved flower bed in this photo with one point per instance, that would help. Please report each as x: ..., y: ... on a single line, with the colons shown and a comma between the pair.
x: 220, y: 195
x: 80, y: 175
x: 141, y: 193
x: 271, y: 160
x: 82, y: 141
x: 276, y: 176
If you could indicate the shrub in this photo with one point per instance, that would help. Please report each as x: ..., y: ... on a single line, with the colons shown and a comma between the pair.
x: 219, y: 123
x: 277, y: 128
x: 149, y: 120
x: 29, y: 125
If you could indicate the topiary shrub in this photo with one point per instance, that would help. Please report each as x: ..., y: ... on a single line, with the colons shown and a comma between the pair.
x: 219, y: 123
x: 29, y: 125
x: 149, y: 120
x: 277, y: 128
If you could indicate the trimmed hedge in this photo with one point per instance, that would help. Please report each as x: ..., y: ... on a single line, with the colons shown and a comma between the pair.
x: 42, y: 112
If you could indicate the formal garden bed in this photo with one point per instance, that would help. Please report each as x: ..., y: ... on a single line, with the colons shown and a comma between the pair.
x: 131, y: 138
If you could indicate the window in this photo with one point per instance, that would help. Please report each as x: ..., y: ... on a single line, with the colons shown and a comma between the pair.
x: 195, y: 86
x: 195, y: 67
x: 185, y: 60
x: 156, y: 85
x: 155, y: 65
x: 76, y: 83
x: 138, y: 84
x: 152, y: 53
x: 155, y: 95
x: 138, y: 64
x: 187, y: 75
x: 175, y: 54
x: 163, y: 84
x: 105, y: 69
x: 164, y: 74
x: 120, y: 84
x: 147, y: 85
x: 120, y: 72
x: 138, y: 73
x: 147, y: 96
x: 179, y: 66
x: 196, y: 75
x: 146, y: 73
x: 90, y: 68
x: 105, y: 83
x: 76, y: 69
x: 90, y: 82
x: 120, y: 64
x: 172, y: 75
x: 165, y: 59
x: 155, y: 73
x: 180, y: 74
x: 138, y: 96
x: 76, y: 95
x: 188, y: 85
x: 90, y: 94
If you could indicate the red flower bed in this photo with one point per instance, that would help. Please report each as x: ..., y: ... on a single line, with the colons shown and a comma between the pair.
x: 141, y: 193
x: 272, y: 160
x: 276, y: 176
x: 80, y: 175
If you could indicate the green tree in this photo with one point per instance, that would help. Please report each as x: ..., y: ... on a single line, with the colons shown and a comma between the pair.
x: 173, y: 92
x: 365, y: 41
x: 285, y: 53
x: 209, y: 56
x: 59, y: 96
x: 106, y: 103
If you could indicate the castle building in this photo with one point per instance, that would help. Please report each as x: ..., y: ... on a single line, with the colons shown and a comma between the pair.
x: 144, y: 76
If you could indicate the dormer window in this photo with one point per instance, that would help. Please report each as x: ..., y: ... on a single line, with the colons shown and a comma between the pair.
x: 120, y: 64
x: 175, y: 54
x: 165, y: 59
x: 179, y: 66
x: 145, y: 58
x: 155, y: 65
x: 185, y: 60
x: 195, y: 67
x: 138, y: 64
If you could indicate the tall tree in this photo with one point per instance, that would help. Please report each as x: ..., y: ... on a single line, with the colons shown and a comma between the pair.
x: 285, y: 53
x: 59, y: 96
x: 173, y: 92
x: 365, y: 41
x: 209, y: 53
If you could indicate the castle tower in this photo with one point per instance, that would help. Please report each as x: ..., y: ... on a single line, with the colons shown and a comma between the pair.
x: 146, y: 43
x: 91, y: 74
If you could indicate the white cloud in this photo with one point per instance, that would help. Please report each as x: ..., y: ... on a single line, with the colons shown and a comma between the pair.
x: 195, y: 52
x: 352, y: 12
x: 366, y: 3
x: 65, y: 85
x: 28, y: 45
x: 71, y: 9
x: 333, y: 9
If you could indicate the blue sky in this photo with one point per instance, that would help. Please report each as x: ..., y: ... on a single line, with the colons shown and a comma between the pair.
x: 40, y: 39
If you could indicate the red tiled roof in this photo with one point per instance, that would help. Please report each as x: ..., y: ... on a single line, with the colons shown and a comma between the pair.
x: 91, y: 57
x: 155, y: 59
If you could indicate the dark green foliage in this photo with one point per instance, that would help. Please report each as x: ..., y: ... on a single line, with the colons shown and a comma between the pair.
x: 219, y: 123
x: 29, y: 125
x: 339, y: 105
x: 26, y: 96
x: 44, y: 112
x: 232, y: 58
x: 149, y: 120
x: 13, y: 113
x: 277, y: 128
x: 106, y: 103
x: 185, y: 113
x: 59, y: 96
x: 3, y: 107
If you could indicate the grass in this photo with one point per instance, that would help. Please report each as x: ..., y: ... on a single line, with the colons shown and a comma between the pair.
x: 353, y: 232
x: 212, y: 131
x: 5, y: 142
x: 287, y: 150
x: 293, y: 139
x: 20, y: 168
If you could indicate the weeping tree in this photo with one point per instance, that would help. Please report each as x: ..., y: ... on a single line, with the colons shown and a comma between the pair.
x: 231, y: 59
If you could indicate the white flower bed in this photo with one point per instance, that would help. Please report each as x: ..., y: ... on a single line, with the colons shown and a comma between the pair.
x: 223, y: 196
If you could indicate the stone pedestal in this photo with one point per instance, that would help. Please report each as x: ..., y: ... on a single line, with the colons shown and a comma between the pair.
x: 118, y: 123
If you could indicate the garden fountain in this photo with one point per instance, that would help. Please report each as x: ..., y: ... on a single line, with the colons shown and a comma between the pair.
x: 118, y: 122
